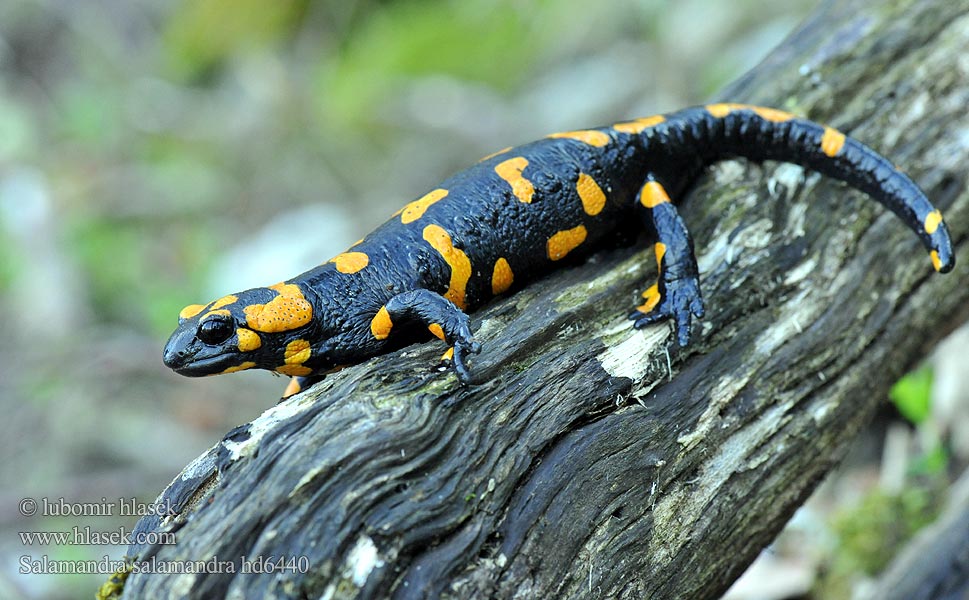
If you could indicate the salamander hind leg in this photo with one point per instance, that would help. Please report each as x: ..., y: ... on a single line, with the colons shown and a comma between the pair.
x: 676, y: 293
x: 442, y: 318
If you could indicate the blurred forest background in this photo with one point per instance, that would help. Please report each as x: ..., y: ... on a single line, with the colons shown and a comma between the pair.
x: 157, y: 153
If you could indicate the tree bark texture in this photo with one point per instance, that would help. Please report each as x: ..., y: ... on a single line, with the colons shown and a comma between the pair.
x: 588, y: 460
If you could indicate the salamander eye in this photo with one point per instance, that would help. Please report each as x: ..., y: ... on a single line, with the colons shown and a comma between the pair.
x: 215, y: 330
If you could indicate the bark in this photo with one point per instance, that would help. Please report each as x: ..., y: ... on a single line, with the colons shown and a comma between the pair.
x: 590, y: 461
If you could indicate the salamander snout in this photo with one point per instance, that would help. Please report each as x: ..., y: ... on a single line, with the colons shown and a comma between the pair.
x: 177, y: 353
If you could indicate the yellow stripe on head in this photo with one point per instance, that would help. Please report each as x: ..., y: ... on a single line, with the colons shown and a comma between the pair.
x: 190, y: 311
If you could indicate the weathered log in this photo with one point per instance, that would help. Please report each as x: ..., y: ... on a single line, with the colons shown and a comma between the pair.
x: 589, y: 461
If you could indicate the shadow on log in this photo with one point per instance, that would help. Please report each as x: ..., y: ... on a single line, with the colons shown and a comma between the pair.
x: 587, y: 461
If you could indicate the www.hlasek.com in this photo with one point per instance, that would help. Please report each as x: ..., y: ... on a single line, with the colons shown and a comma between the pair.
x: 87, y: 536
x: 106, y: 566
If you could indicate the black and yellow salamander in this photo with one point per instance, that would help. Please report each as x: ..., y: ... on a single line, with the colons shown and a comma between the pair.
x: 511, y: 217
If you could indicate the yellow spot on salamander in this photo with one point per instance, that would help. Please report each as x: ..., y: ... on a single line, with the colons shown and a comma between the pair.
x: 563, y: 242
x: 436, y: 330
x: 651, y: 297
x: 936, y: 261
x: 832, y: 141
x: 653, y: 194
x: 297, y: 352
x: 660, y: 249
x: 494, y: 154
x: 190, y: 311
x: 350, y: 262
x: 449, y: 355
x: 639, y: 125
x: 224, y: 301
x: 932, y: 221
x: 415, y: 210
x: 502, y: 277
x: 287, y: 311
x: 194, y: 309
x: 721, y: 110
x: 588, y: 136
x: 593, y: 199
x: 772, y: 114
x: 246, y: 365
x: 294, y: 370
x: 248, y: 340
x: 381, y: 324
x: 292, y: 388
x: 511, y: 171
x: 460, y: 265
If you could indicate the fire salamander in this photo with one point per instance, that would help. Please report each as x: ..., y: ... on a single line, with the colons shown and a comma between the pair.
x: 511, y: 217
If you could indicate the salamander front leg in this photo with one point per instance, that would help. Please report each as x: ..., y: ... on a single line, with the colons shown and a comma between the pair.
x: 301, y: 382
x: 676, y: 293
x: 441, y: 317
x: 298, y: 384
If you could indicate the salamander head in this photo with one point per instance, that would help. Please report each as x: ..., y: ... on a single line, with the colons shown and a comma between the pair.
x: 263, y: 328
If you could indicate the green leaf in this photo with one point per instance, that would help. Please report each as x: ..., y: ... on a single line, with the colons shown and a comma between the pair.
x: 912, y: 395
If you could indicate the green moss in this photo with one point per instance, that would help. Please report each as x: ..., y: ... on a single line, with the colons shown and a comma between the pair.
x: 872, y: 533
x: 114, y: 586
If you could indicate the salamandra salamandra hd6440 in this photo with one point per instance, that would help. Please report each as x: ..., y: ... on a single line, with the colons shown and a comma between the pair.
x: 511, y: 217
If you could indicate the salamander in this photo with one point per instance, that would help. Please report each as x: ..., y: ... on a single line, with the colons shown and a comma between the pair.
x: 513, y: 216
